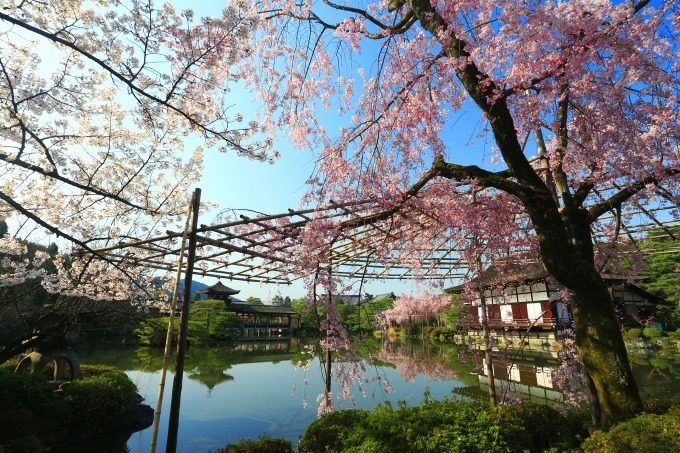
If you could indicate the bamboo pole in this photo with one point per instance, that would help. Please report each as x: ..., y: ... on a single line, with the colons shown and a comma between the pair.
x: 487, y: 339
x: 168, y: 338
x: 173, y: 423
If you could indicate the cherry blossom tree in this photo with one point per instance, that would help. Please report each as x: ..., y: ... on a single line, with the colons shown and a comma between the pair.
x: 409, y: 308
x: 106, y: 109
x: 589, y: 87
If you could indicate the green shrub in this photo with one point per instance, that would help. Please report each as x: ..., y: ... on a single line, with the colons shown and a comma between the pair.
x: 225, y: 326
x: 264, y: 444
x: 96, y: 370
x: 634, y: 333
x: 100, y: 400
x: 25, y: 444
x: 22, y: 390
x: 674, y: 335
x: 81, y: 409
x: 16, y: 423
x: 541, y: 419
x: 10, y: 365
x: 441, y: 426
x: 645, y: 433
x: 413, y: 331
x: 658, y: 407
x: 329, y: 432
x: 651, y: 333
x: 152, y: 332
x: 437, y: 333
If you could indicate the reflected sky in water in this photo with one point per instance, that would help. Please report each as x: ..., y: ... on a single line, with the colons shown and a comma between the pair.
x: 236, y: 391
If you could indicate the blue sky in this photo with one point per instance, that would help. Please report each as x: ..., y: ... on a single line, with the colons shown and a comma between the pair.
x: 234, y: 182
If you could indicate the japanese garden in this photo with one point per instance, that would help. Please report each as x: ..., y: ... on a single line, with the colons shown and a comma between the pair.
x: 312, y: 226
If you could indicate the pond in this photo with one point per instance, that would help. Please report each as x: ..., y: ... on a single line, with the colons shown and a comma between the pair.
x: 242, y: 390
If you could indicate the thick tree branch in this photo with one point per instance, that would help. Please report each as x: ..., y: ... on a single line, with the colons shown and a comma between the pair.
x: 483, y: 177
x: 641, y: 4
x: 446, y: 170
x: 559, y: 175
x: 582, y: 192
x: 624, y: 194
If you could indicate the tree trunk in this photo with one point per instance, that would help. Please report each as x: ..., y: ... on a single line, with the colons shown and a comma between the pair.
x: 568, y: 254
x: 600, y: 345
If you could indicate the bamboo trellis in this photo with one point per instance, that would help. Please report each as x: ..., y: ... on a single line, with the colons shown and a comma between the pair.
x: 261, y: 249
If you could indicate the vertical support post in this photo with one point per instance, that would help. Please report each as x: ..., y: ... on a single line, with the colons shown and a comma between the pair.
x: 487, y: 352
x: 173, y: 423
x: 168, y: 337
x: 329, y: 364
x: 487, y: 338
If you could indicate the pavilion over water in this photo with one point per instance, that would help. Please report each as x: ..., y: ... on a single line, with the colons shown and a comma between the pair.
x: 259, y: 321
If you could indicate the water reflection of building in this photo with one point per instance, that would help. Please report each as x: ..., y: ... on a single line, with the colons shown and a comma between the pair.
x: 210, y: 366
x: 532, y: 380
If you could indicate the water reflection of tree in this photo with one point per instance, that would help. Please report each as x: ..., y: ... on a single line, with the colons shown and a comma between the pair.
x: 433, y: 362
x: 209, y: 366
x: 657, y: 373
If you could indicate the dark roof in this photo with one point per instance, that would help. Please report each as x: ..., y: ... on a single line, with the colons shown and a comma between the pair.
x: 349, y: 299
x: 525, y: 273
x: 218, y: 288
x: 259, y: 308
x: 520, y: 272
x: 384, y: 296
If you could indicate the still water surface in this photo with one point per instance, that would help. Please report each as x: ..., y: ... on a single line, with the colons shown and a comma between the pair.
x: 246, y: 390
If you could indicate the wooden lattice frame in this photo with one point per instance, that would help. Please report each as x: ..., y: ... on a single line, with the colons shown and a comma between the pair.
x: 259, y: 249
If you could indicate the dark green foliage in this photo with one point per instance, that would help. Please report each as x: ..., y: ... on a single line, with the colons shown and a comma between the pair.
x: 646, y: 433
x: 662, y: 278
x: 208, y: 320
x: 277, y: 300
x: 330, y: 432
x: 152, y: 332
x: 16, y: 423
x: 427, y: 331
x: 310, y: 317
x: 220, y: 324
x: 208, y: 304
x: 658, y: 407
x: 441, y: 426
x: 547, y: 428
x: 225, y: 326
x: 361, y: 317
x: 80, y: 410
x: 96, y: 370
x: 20, y: 391
x: 264, y: 444
x: 25, y: 444
x: 100, y: 399
x: 442, y: 333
